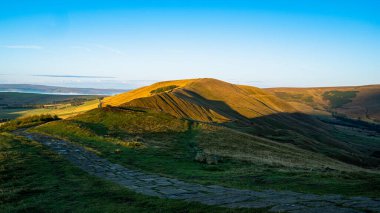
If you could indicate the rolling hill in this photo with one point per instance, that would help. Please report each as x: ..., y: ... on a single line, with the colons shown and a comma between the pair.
x: 361, y: 102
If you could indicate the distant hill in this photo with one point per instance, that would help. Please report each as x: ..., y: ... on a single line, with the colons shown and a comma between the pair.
x: 360, y: 102
x: 30, y: 88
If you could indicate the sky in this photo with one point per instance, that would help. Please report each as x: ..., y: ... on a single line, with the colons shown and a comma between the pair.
x: 126, y: 44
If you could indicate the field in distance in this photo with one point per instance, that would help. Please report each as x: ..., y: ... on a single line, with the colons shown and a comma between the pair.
x: 15, y: 104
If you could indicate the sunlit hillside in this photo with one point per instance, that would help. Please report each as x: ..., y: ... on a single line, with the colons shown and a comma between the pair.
x: 204, y: 100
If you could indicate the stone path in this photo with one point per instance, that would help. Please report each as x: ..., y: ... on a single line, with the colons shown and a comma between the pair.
x: 155, y: 185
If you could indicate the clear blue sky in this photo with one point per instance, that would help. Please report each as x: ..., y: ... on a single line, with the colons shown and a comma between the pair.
x: 259, y: 42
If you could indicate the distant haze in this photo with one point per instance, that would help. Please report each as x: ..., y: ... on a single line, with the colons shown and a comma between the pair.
x: 41, y: 89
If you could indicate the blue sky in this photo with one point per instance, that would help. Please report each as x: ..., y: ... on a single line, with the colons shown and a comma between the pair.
x: 125, y: 44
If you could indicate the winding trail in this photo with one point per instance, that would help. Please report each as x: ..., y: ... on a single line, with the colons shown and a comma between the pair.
x: 155, y: 185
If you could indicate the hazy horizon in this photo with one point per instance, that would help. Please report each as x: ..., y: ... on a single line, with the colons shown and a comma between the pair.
x: 124, y: 45
x: 134, y: 84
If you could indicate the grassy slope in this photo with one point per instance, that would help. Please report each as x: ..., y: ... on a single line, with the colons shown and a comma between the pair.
x: 142, y: 92
x: 247, y: 161
x: 26, y: 122
x: 363, y: 105
x: 64, y: 112
x: 12, y: 113
x: 33, y: 179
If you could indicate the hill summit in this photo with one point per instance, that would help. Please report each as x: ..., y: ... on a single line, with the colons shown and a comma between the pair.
x: 203, y: 99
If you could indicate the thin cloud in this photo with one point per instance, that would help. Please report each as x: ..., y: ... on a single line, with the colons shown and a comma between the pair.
x: 23, y: 47
x: 73, y: 76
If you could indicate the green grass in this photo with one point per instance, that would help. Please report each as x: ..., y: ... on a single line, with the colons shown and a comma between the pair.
x: 34, y: 179
x: 170, y: 150
x: 27, y: 122
x: 295, y: 97
x: 12, y: 113
x: 63, y: 112
x: 17, y: 98
x: 15, y: 105
x: 163, y: 89
x: 339, y: 98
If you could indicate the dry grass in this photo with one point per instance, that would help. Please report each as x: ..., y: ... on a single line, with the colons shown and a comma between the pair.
x: 233, y: 144
x: 364, y: 105
x: 142, y: 92
x: 64, y: 112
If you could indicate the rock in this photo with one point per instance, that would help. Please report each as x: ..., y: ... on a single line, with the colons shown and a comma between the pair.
x: 200, y: 157
x: 206, y: 158
x: 138, y: 139
x: 212, y: 159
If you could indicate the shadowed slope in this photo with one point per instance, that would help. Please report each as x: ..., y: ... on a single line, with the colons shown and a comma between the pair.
x: 178, y: 106
x: 362, y: 102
